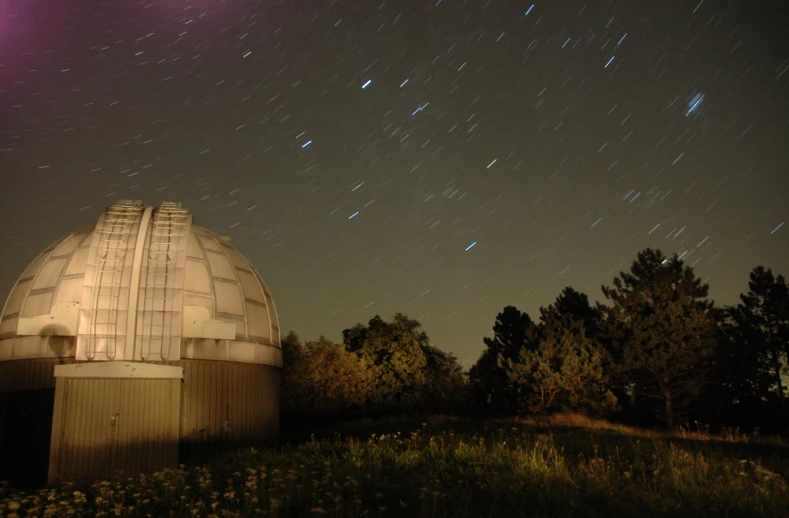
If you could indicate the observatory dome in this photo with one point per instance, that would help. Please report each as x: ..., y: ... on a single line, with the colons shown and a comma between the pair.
x: 134, y: 344
x: 194, y: 296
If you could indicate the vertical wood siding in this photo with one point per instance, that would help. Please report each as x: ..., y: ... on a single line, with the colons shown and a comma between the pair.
x: 27, y: 393
x: 222, y: 405
x: 115, y: 424
x: 227, y: 405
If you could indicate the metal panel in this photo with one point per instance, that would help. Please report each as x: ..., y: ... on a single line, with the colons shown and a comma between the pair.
x: 228, y: 298
x: 275, y: 335
x: 258, y: 320
x: 102, y: 425
x: 223, y: 405
x: 118, y: 370
x: 220, y: 265
x: 26, y: 402
x: 208, y: 241
x: 249, y: 285
x: 50, y: 273
x: 262, y: 351
x: 76, y: 265
x: 62, y: 321
x: 235, y: 257
x: 69, y: 290
x: 37, y: 303
x: 227, y: 405
x: 69, y: 245
x: 197, y: 323
x: 197, y: 273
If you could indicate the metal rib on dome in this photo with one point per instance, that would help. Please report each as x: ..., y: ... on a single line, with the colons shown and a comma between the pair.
x: 195, y: 295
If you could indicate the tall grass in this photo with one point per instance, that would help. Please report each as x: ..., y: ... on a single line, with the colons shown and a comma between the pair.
x: 564, y: 466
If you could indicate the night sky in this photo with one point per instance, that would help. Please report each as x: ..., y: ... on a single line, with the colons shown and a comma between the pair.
x: 442, y: 159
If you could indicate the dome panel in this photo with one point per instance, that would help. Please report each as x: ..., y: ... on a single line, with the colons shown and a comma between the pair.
x: 8, y: 327
x: 37, y: 304
x: 220, y: 266
x: 69, y: 244
x: 50, y: 273
x: 258, y: 322
x: 69, y: 290
x: 237, y: 259
x: 209, y: 243
x: 203, y: 301
x: 275, y: 333
x: 78, y: 261
x: 197, y: 278
x: 193, y: 248
x: 251, y: 287
x: 228, y: 298
x: 17, y: 297
x: 267, y: 295
x: 39, y: 261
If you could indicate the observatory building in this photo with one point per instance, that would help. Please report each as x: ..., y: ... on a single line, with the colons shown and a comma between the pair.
x: 135, y: 344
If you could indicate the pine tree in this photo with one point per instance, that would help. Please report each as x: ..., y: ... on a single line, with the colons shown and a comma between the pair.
x: 565, y: 371
x: 660, y: 332
x: 489, y: 384
x: 758, y: 334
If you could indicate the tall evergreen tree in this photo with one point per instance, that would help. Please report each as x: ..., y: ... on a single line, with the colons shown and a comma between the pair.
x: 660, y: 332
x: 565, y: 372
x: 757, y: 335
x: 572, y: 306
x: 490, y: 386
x: 740, y: 392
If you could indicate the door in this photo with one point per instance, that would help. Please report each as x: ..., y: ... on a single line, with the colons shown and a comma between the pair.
x: 126, y: 424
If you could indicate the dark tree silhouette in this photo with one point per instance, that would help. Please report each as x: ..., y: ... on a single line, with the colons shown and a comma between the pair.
x: 572, y: 306
x: 755, y: 345
x: 292, y: 349
x: 660, y: 332
x: 490, y: 386
x: 566, y: 370
x: 446, y: 389
x: 660, y: 349
x: 740, y: 395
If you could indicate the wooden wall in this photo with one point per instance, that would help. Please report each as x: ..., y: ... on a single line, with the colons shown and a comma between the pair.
x: 102, y: 425
x: 27, y: 395
x: 224, y: 405
x: 227, y: 405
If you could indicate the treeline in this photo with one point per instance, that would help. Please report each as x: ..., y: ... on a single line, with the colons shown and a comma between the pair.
x: 380, y: 369
x: 657, y: 353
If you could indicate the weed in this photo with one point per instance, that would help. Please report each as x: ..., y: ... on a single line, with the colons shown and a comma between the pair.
x: 560, y: 466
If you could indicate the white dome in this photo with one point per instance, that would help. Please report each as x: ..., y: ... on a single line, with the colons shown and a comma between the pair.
x: 195, y: 296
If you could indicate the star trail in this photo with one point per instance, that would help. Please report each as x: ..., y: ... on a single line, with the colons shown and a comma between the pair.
x: 441, y: 159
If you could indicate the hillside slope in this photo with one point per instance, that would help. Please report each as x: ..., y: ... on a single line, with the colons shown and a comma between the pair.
x: 561, y: 466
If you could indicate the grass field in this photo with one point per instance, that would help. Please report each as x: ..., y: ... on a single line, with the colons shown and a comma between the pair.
x: 560, y: 466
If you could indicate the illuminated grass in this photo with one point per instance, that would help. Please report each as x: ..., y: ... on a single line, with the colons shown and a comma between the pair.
x: 563, y: 466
